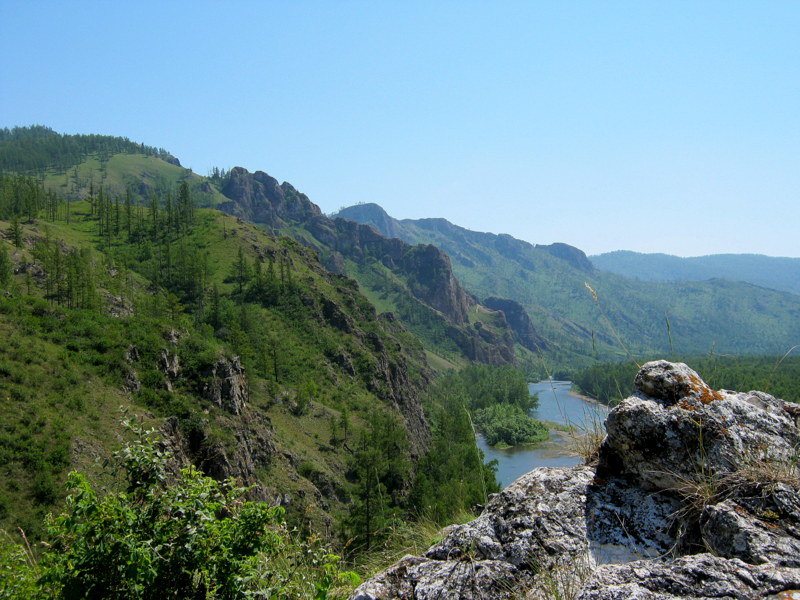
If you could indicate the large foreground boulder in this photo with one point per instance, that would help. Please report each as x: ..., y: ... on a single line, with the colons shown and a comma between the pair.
x: 695, y: 496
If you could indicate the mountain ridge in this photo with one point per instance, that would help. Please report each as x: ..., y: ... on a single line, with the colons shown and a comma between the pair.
x: 774, y: 272
x: 551, y: 282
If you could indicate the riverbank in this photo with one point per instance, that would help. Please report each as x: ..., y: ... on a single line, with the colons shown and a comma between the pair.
x: 560, y: 408
x: 572, y: 391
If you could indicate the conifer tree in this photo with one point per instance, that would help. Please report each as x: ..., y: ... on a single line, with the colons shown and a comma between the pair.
x: 241, y: 270
x: 185, y: 206
x: 16, y: 232
x: 128, y: 213
x: 5, y: 266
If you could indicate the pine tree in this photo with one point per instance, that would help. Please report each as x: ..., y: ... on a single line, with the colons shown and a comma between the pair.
x: 381, y: 466
x: 16, y: 232
x: 128, y: 213
x: 185, y: 206
x: 241, y: 271
x: 5, y: 266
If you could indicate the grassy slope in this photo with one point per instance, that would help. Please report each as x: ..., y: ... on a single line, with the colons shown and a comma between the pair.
x: 140, y: 174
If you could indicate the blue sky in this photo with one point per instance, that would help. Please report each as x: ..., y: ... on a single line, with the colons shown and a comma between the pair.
x: 650, y: 126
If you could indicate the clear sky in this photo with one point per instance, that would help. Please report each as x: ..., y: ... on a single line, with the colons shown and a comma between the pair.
x: 649, y: 126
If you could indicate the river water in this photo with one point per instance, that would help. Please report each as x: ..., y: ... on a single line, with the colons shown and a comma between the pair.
x: 557, y: 404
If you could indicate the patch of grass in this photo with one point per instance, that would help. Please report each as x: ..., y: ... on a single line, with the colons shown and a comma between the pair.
x: 405, y: 537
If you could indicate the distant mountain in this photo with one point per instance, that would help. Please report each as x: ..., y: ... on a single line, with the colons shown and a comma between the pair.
x: 777, y: 273
x: 437, y: 277
x: 550, y: 283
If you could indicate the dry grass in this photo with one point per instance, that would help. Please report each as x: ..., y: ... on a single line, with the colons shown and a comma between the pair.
x: 584, y: 441
x: 563, y: 581
x: 704, y: 487
x: 404, y: 538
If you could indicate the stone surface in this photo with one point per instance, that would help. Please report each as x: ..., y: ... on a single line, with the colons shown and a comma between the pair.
x: 758, y: 530
x: 697, y: 577
x: 676, y: 427
x: 630, y: 530
x: 226, y: 385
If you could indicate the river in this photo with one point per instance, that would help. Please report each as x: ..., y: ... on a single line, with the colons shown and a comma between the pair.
x: 558, y: 404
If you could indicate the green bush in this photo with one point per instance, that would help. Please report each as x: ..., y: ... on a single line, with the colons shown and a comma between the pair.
x: 18, y: 571
x: 169, y: 535
x: 510, y: 425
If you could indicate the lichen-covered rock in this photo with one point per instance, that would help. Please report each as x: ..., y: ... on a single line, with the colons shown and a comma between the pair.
x: 669, y: 382
x: 545, y: 519
x: 414, y: 578
x: 676, y: 427
x: 698, y: 577
x: 633, y: 528
x: 760, y: 529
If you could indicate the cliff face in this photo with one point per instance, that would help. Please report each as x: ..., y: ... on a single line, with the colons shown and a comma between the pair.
x: 260, y: 198
x: 519, y: 321
x: 695, y: 496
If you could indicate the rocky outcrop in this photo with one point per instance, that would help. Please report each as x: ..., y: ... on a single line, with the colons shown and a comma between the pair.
x: 422, y: 271
x: 482, y: 345
x: 677, y: 426
x: 260, y: 198
x: 373, y: 215
x: 574, y: 256
x: 226, y: 385
x: 253, y: 449
x: 695, y: 496
x: 520, y: 323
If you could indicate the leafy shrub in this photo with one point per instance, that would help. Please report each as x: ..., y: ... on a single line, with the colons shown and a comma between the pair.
x: 18, y: 570
x: 509, y: 424
x: 175, y: 536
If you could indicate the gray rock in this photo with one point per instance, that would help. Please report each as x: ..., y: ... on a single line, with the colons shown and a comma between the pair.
x: 732, y: 531
x: 697, y: 577
x: 677, y: 427
x: 226, y: 385
x: 545, y: 519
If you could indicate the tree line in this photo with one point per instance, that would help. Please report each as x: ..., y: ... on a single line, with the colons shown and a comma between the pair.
x: 36, y: 148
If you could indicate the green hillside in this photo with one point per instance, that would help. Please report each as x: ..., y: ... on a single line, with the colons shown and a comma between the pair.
x: 75, y: 165
x: 254, y: 360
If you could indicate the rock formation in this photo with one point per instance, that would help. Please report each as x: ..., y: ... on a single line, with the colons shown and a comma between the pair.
x: 425, y: 269
x: 226, y: 385
x: 519, y: 322
x: 695, y: 496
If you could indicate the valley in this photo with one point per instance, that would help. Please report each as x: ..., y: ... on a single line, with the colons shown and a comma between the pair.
x: 339, y: 368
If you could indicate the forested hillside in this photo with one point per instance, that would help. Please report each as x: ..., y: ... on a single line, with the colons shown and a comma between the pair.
x: 416, y: 284
x: 252, y: 359
x: 76, y: 166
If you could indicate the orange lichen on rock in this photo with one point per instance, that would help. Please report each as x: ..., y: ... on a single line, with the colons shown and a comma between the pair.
x: 701, y: 391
